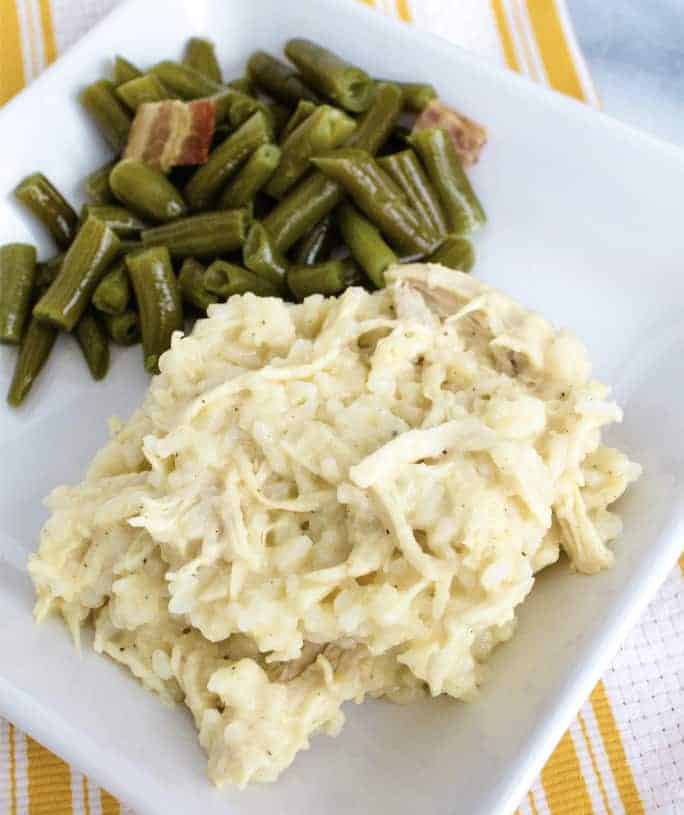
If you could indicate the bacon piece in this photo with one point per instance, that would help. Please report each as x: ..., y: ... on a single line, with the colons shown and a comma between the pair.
x: 468, y: 137
x: 170, y: 133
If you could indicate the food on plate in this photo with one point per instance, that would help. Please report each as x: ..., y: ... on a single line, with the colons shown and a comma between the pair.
x: 17, y: 276
x: 338, y: 498
x: 291, y: 180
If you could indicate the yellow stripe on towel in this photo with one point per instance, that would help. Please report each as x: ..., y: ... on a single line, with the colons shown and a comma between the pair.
x: 505, y: 35
x: 109, y: 804
x: 564, y: 785
x: 49, y: 39
x: 12, y: 78
x: 553, y: 46
x: 49, y: 781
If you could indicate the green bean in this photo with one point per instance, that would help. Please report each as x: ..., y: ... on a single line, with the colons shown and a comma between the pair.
x: 317, y: 244
x: 159, y: 300
x: 417, y: 95
x: 327, y: 278
x: 97, y: 187
x: 123, y: 329
x: 184, y: 80
x: 225, y: 279
x: 45, y: 201
x: 455, y: 253
x: 277, y: 79
x: 146, y: 191
x: 303, y: 110
x: 113, y: 292
x: 409, y: 175
x: 124, y: 71
x: 236, y: 107
x: 191, y: 282
x: 94, y: 248
x: 261, y: 257
x: 224, y: 160
x: 366, y: 243
x: 126, y: 246
x: 464, y: 212
x: 251, y: 178
x: 200, y: 55
x: 201, y: 236
x: 378, y: 197
x: 325, y: 129
x: 119, y: 219
x: 142, y: 89
x: 17, y: 278
x: 243, y: 84
x: 92, y: 341
x: 280, y: 115
x: 316, y: 195
x: 33, y: 354
x: 47, y: 271
x: 103, y: 105
x: 333, y: 76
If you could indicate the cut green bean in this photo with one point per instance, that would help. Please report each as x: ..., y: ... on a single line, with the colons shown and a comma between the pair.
x: 184, y: 80
x: 113, y: 292
x: 261, y: 257
x: 143, y: 89
x: 236, y: 107
x: 463, y: 210
x: 455, y: 253
x: 327, y: 278
x: 378, y: 197
x: 121, y: 220
x: 201, y: 236
x: 110, y: 115
x: 201, y: 55
x: 225, y: 279
x: 47, y: 271
x: 94, y: 248
x: 207, y: 181
x: 17, y: 278
x: 317, y: 244
x: 251, y: 178
x: 92, y: 340
x: 146, y: 191
x: 33, y: 354
x: 326, y: 128
x: 191, y: 282
x: 409, y: 175
x: 97, y: 187
x: 316, y: 195
x: 124, y: 71
x: 365, y: 243
x: 417, y: 95
x: 280, y: 115
x: 303, y: 110
x: 128, y: 245
x: 159, y: 301
x: 242, y: 84
x: 123, y: 329
x: 45, y: 201
x: 344, y: 83
x: 277, y: 79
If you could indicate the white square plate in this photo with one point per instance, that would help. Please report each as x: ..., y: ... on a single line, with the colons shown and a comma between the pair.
x: 585, y: 225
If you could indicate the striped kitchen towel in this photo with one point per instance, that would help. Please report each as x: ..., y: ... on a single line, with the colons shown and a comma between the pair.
x: 624, y: 753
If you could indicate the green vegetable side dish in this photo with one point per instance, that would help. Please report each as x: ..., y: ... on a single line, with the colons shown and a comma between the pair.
x: 326, y: 128
x: 146, y: 191
x: 33, y: 354
x: 17, y: 277
x: 334, y: 77
x: 226, y: 279
x: 123, y: 329
x: 45, y: 201
x: 292, y: 186
x: 191, y: 282
x: 201, y: 55
x: 278, y: 79
x: 92, y: 340
x: 93, y: 249
x: 208, y: 235
x: 207, y: 182
x: 113, y: 292
x: 159, y: 301
x: 108, y: 112
x: 367, y: 245
x: 253, y: 176
x: 447, y: 174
